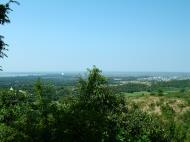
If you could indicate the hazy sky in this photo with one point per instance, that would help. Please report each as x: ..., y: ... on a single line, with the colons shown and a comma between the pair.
x: 115, y: 35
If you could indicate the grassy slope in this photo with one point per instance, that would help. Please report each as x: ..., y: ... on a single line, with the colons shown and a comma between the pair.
x: 171, y: 104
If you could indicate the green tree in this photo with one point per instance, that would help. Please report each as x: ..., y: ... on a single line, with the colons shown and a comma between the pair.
x: 4, y: 18
x: 89, y: 118
x: 38, y: 87
x: 14, y: 106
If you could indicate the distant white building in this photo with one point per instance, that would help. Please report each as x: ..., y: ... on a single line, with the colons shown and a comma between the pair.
x: 11, y: 89
x: 21, y: 91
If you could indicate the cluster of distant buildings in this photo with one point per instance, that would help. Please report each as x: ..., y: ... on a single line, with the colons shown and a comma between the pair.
x: 21, y: 91
x: 146, y: 79
x: 162, y: 78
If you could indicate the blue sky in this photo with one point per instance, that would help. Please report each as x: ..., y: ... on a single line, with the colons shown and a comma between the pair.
x: 115, y: 35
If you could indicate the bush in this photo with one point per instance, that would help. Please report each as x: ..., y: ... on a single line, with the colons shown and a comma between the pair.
x: 167, y: 111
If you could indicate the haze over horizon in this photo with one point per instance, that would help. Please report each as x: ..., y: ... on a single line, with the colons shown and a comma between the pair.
x: 114, y: 35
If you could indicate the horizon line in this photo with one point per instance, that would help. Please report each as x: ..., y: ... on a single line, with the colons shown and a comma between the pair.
x: 106, y: 71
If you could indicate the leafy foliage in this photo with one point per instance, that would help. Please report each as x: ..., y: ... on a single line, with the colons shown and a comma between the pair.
x: 4, y: 11
x: 94, y: 114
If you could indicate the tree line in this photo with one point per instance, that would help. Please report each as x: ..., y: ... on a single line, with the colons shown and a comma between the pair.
x: 94, y: 114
